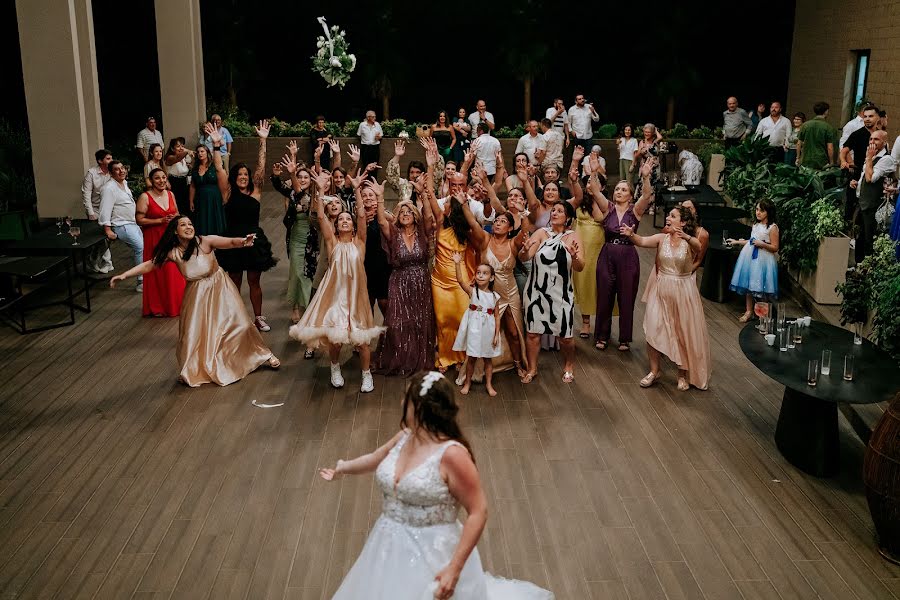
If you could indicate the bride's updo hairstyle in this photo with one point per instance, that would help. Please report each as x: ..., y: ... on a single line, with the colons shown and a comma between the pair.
x: 434, y: 406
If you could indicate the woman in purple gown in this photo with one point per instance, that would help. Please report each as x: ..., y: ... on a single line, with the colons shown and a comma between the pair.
x: 618, y: 267
x: 408, y: 344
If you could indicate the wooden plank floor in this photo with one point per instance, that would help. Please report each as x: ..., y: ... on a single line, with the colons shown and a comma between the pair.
x: 116, y: 482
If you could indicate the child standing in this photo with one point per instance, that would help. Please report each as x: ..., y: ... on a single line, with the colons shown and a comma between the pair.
x: 479, y: 330
x: 756, y: 271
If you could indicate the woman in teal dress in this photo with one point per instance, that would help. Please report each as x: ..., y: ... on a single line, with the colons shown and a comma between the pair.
x: 303, y: 256
x: 205, y: 198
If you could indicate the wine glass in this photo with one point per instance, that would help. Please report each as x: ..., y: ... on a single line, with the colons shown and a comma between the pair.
x: 75, y: 232
x: 59, y: 224
x: 889, y: 184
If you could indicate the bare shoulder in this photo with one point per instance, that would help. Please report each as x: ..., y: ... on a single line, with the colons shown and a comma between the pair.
x: 457, y: 459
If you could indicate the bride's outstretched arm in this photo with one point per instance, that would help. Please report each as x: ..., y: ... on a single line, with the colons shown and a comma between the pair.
x: 465, y: 485
x: 362, y: 464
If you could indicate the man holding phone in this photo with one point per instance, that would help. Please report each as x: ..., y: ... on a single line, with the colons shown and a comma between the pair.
x: 581, y: 117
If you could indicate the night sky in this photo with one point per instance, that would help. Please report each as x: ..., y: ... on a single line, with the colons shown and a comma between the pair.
x: 626, y: 57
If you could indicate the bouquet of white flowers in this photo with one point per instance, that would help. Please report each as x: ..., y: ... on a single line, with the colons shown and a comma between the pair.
x: 332, y: 61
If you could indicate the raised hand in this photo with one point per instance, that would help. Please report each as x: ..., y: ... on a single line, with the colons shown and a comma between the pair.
x: 357, y: 181
x: 574, y: 249
x: 323, y: 180
x: 262, y: 130
x: 372, y: 167
x: 335, y: 146
x: 399, y: 148
x: 594, y: 162
x: 430, y: 157
x: 418, y: 183
x: 277, y: 169
x: 317, y: 153
x: 354, y: 153
x: 292, y: 147
x: 578, y: 154
x: 289, y: 163
x: 648, y: 166
x: 214, y: 136
x: 376, y: 187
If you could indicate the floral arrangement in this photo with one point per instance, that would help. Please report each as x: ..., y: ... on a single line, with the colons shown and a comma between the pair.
x: 332, y: 61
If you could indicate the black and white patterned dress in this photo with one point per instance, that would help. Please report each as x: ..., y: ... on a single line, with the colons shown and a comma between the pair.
x: 549, y: 293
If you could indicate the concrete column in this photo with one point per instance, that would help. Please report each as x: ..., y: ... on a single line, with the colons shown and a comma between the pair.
x: 180, y: 51
x: 60, y: 72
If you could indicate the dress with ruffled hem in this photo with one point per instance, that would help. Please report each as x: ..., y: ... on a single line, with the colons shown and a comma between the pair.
x: 340, y: 312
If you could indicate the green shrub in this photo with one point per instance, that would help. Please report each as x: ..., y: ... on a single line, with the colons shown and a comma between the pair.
x: 679, y: 131
x: 705, y: 152
x: 607, y: 131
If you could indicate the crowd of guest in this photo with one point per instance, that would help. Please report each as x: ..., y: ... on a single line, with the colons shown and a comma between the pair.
x: 473, y: 262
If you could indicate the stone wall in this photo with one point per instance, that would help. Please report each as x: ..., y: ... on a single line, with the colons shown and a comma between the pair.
x: 826, y: 34
x: 245, y: 149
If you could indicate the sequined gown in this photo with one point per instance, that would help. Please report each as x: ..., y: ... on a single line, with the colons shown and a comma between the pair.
x: 217, y: 340
x: 340, y: 312
x: 408, y: 345
x: 505, y: 285
x: 415, y: 537
x: 674, y: 322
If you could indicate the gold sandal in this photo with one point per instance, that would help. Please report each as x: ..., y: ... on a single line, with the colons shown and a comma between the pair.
x: 274, y: 362
x: 650, y: 378
x: 529, y: 377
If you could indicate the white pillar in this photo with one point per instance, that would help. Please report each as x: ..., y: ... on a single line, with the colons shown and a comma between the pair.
x: 60, y: 72
x: 180, y: 52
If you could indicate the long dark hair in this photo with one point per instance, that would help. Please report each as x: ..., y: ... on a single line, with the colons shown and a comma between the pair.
x: 435, y: 411
x: 169, y: 240
x: 768, y: 206
x: 457, y: 220
x: 689, y: 221
x: 233, y: 175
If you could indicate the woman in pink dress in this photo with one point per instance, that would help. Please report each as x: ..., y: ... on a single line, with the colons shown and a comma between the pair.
x: 163, y: 287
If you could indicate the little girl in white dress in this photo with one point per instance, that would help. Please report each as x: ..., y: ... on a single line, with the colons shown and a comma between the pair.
x: 479, y: 331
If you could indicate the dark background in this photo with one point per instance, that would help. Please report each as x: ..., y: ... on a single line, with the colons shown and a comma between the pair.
x: 628, y: 58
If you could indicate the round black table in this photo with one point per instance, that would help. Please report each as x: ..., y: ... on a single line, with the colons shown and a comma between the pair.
x: 718, y: 265
x: 807, y: 431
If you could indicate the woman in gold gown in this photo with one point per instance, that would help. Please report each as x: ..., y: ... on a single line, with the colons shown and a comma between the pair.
x: 217, y: 340
x: 674, y: 323
x: 340, y: 312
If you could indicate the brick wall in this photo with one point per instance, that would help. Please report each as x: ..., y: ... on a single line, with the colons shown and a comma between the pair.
x: 826, y: 32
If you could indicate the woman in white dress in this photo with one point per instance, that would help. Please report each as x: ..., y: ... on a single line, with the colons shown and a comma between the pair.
x: 418, y: 549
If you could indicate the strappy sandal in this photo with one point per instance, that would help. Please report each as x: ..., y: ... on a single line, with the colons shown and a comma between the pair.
x: 601, y: 345
x: 745, y: 317
x: 520, y: 370
x: 274, y: 362
x: 649, y: 379
x: 310, y: 353
x: 585, y: 330
x: 529, y: 377
x: 568, y: 377
x: 683, y: 385
x: 624, y: 347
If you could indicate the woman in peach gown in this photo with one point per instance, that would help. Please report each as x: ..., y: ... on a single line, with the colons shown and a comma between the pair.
x: 674, y: 323
x: 340, y: 312
x: 217, y: 340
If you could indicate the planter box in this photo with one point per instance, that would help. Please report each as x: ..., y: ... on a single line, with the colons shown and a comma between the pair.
x: 831, y: 269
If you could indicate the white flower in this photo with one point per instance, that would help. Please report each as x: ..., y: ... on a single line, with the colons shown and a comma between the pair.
x: 335, y: 62
x: 352, y: 61
x: 343, y: 33
x: 320, y: 43
x: 403, y: 135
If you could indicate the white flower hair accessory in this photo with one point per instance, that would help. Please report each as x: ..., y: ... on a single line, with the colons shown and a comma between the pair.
x: 428, y: 381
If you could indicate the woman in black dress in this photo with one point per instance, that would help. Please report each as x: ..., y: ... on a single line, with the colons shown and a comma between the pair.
x: 242, y: 194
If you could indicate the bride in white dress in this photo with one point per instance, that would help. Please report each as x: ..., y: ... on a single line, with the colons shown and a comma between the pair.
x: 418, y: 549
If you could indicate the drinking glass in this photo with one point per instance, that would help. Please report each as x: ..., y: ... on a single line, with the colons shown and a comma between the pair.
x: 812, y: 373
x: 59, y: 224
x: 826, y: 362
x: 857, y: 334
x: 848, y: 367
x: 798, y: 333
x: 75, y: 232
x: 783, y: 339
x: 791, y: 328
x: 725, y: 238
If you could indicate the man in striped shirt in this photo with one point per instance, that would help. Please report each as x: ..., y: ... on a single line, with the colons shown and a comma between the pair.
x: 560, y: 118
x: 147, y: 137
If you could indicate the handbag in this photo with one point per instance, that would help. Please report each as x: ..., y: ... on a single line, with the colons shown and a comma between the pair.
x: 884, y: 215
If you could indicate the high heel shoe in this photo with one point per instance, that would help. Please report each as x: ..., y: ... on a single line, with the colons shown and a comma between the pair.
x: 650, y: 378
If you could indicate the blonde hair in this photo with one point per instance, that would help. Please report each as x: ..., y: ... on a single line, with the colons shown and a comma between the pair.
x: 417, y: 216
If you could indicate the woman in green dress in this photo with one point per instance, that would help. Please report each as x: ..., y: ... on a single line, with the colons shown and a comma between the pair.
x: 206, y: 202
x: 296, y: 218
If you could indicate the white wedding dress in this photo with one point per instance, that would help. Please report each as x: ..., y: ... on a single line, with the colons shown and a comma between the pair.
x: 415, y: 538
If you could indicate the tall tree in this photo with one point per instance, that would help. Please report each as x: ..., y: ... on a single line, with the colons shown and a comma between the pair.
x: 527, y: 46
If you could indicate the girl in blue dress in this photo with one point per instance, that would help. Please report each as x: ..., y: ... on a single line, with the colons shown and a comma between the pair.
x: 756, y: 271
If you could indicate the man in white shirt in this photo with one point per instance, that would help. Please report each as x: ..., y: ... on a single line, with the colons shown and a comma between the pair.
x: 117, y: 214
x: 532, y: 144
x: 869, y: 190
x: 553, y: 142
x: 486, y: 148
x: 224, y: 149
x: 559, y: 118
x: 481, y: 115
x: 370, y: 134
x: 148, y: 136
x: 853, y: 124
x: 581, y: 117
x: 483, y: 212
x: 100, y: 258
x: 776, y: 128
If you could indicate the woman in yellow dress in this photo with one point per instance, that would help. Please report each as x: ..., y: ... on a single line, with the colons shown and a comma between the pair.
x: 340, y: 312
x: 217, y: 340
x: 590, y: 232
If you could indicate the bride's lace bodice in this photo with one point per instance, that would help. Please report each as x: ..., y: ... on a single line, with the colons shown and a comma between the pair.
x: 421, y: 498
